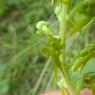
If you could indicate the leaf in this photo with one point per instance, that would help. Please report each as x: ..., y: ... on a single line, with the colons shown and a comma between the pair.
x: 76, y: 79
x: 88, y: 49
x: 81, y: 61
x: 88, y: 71
x: 88, y: 80
x: 85, y: 55
x: 79, y: 26
x: 89, y: 67
x: 90, y: 25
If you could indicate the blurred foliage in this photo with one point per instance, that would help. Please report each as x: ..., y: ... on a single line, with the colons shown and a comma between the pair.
x: 23, y: 67
x: 20, y: 61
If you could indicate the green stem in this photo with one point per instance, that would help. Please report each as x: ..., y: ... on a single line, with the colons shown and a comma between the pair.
x: 34, y: 90
x: 63, y: 30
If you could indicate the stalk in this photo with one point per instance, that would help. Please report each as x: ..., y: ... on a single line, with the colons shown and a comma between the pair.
x: 63, y: 29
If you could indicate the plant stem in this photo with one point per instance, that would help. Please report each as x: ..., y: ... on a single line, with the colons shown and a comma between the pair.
x: 34, y: 91
x: 63, y: 30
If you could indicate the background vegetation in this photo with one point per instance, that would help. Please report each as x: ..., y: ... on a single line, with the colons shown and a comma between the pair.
x: 24, y: 70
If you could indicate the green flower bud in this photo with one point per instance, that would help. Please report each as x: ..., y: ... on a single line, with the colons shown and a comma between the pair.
x: 41, y: 24
x: 43, y: 28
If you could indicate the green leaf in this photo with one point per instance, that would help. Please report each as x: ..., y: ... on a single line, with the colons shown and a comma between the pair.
x: 90, y: 25
x: 88, y: 80
x: 84, y: 56
x: 81, y: 61
x: 89, y: 67
x: 79, y: 26
x: 79, y: 78
x: 88, y: 49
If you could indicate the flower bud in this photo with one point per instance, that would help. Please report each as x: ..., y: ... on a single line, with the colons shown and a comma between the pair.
x: 43, y: 28
x: 41, y: 24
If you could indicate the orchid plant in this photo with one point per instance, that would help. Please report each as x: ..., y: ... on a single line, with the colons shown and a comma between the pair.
x: 74, y: 16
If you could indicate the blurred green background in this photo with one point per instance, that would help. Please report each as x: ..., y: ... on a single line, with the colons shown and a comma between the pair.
x: 24, y: 69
